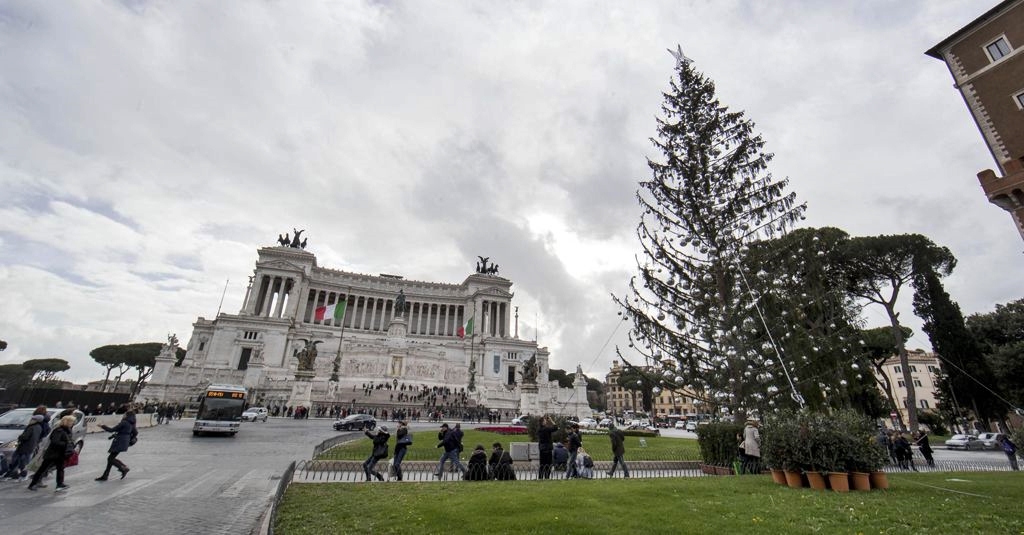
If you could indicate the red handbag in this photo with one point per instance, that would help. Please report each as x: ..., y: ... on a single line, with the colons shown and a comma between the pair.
x: 72, y: 460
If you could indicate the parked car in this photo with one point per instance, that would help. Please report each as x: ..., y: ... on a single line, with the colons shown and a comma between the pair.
x: 355, y: 422
x: 588, y: 423
x: 964, y: 442
x: 605, y: 422
x: 991, y: 440
x: 520, y: 420
x: 691, y: 426
x: 253, y: 414
x: 13, y: 422
x: 680, y: 425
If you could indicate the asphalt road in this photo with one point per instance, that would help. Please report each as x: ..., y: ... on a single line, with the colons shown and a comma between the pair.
x: 178, y: 484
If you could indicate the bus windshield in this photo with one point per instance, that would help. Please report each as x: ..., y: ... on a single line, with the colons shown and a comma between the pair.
x: 221, y: 409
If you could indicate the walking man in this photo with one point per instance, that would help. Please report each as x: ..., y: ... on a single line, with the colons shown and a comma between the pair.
x: 575, y: 443
x: 618, y: 450
x: 450, y: 443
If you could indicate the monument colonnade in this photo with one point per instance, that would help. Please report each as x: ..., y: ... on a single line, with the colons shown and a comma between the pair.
x: 275, y: 297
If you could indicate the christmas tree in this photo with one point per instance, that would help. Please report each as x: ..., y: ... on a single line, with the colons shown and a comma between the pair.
x: 694, y: 310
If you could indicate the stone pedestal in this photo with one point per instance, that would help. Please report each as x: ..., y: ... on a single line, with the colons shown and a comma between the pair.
x: 529, y: 402
x: 302, y: 389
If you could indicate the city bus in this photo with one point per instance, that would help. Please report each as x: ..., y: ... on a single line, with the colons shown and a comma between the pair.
x: 220, y: 410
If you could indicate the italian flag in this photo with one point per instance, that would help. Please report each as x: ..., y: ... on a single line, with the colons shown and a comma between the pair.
x: 335, y: 311
x: 466, y: 330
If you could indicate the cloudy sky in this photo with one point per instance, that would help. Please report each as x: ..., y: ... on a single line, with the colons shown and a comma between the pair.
x: 147, y: 149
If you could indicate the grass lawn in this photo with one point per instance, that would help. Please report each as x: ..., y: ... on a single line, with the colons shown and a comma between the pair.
x: 986, y: 502
x: 424, y: 447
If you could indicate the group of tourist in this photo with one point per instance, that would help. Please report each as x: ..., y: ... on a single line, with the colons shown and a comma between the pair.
x: 61, y: 450
x: 577, y: 463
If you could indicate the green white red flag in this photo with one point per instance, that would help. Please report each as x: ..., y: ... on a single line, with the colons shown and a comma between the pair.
x: 335, y: 311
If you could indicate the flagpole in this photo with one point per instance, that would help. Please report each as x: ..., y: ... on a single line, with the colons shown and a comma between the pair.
x: 341, y: 338
x: 225, y: 292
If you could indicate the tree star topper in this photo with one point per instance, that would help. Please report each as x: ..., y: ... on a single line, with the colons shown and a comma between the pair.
x: 681, y: 58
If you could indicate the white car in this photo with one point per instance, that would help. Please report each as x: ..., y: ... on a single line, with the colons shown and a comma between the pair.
x: 605, y: 422
x: 991, y: 440
x: 253, y: 414
x: 588, y: 423
x: 964, y: 442
x: 691, y: 426
x: 680, y: 425
x: 520, y: 420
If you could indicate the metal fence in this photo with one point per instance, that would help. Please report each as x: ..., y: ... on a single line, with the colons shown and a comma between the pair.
x: 352, y: 471
x: 644, y: 464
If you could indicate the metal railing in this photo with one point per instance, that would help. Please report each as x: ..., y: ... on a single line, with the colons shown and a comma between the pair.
x: 352, y: 471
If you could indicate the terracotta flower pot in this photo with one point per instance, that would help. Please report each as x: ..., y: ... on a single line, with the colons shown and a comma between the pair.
x: 839, y: 481
x: 816, y: 480
x: 860, y: 480
x: 879, y: 480
x: 794, y: 479
x: 779, y: 476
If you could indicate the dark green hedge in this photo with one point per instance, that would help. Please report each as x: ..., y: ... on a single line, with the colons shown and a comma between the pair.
x: 718, y: 443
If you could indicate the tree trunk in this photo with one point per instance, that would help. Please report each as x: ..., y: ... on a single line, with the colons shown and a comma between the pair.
x: 106, y: 378
x: 901, y: 346
x: 883, y: 380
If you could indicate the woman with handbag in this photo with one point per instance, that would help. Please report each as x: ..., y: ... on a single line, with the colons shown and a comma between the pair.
x: 61, y: 447
x: 403, y: 443
x: 380, y: 438
x: 124, y: 435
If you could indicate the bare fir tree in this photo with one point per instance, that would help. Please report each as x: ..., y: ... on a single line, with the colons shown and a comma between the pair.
x: 710, y: 195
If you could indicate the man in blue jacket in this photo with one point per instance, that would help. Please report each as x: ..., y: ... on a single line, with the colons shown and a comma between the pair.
x: 451, y: 444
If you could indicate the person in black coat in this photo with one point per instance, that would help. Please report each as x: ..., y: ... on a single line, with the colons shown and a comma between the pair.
x: 404, y: 440
x: 380, y: 439
x: 501, y: 464
x: 925, y: 447
x: 61, y: 446
x: 477, y: 466
x: 545, y: 446
x: 124, y: 435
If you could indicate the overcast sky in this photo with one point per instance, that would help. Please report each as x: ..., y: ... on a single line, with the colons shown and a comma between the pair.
x: 148, y: 149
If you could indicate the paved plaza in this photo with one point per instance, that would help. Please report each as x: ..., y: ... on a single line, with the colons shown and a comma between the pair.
x: 178, y: 484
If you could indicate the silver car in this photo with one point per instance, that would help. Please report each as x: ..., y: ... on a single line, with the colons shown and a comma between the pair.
x: 13, y: 422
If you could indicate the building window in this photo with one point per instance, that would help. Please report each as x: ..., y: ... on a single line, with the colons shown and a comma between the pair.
x: 917, y: 382
x: 924, y: 404
x: 202, y: 345
x: 250, y: 335
x: 901, y: 384
x: 897, y: 369
x: 998, y: 49
x: 933, y: 369
x: 243, y: 359
x: 913, y: 369
x: 1018, y: 99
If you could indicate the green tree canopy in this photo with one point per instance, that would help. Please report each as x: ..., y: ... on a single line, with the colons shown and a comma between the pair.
x: 564, y: 379
x: 45, y: 370
x: 967, y: 372
x: 12, y: 375
x: 125, y: 357
x: 1000, y: 334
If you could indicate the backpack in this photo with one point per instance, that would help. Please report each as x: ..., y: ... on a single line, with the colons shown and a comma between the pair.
x: 588, y: 462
